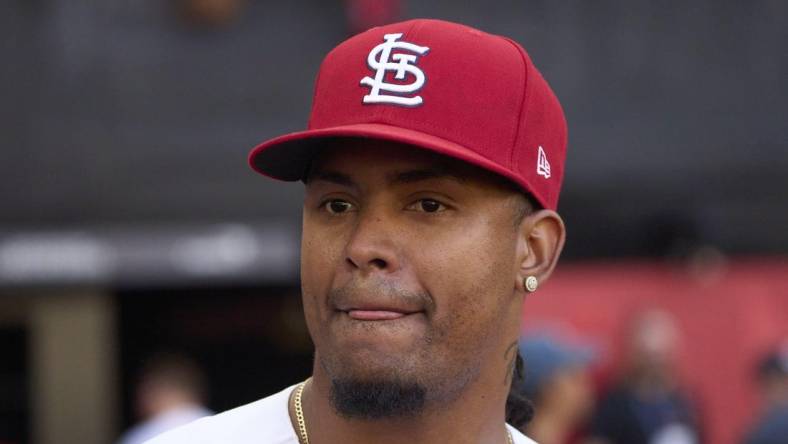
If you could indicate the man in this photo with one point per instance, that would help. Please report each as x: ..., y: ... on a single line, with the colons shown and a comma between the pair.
x: 647, y: 403
x: 771, y: 426
x: 559, y: 384
x: 432, y: 165
x: 171, y: 392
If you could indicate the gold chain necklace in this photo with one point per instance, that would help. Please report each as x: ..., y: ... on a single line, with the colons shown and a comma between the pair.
x: 299, y: 413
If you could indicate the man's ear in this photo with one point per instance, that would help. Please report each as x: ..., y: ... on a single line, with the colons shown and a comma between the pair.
x: 540, y: 241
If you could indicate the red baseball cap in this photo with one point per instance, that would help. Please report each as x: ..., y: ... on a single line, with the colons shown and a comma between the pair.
x: 438, y: 86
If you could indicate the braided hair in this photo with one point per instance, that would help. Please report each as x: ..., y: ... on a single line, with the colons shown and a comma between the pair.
x: 519, y: 410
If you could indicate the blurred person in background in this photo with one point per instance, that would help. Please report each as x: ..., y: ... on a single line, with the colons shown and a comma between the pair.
x: 558, y: 384
x: 171, y: 392
x: 210, y: 14
x: 647, y: 405
x: 772, y: 376
x: 365, y: 14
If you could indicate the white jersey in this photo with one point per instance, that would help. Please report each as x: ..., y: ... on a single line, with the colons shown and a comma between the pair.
x: 266, y: 421
x: 164, y: 422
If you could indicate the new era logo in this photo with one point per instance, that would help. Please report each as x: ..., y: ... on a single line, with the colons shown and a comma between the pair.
x: 542, y: 165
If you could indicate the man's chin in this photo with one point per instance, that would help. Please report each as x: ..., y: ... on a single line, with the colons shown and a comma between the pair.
x: 367, y: 384
x: 376, y: 398
x: 374, y: 363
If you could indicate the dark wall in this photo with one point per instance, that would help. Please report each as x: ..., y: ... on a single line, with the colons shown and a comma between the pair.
x: 15, y: 379
x: 119, y: 112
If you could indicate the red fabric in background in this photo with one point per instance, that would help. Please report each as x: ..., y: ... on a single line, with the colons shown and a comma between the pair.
x: 729, y: 316
x: 365, y: 14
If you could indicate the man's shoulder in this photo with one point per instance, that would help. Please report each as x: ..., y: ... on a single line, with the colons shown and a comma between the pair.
x: 265, y: 420
x: 518, y: 437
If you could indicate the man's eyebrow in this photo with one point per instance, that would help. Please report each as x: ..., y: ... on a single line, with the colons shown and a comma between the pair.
x: 411, y: 176
x: 332, y: 177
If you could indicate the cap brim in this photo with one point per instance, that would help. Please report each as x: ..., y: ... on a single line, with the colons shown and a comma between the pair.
x: 288, y: 157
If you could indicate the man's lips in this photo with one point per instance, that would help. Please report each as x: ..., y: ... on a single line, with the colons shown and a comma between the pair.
x: 377, y: 312
x: 377, y: 305
x: 375, y: 315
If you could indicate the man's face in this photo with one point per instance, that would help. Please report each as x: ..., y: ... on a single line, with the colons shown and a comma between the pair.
x: 408, y: 268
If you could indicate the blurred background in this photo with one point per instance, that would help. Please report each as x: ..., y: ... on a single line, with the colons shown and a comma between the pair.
x: 131, y: 227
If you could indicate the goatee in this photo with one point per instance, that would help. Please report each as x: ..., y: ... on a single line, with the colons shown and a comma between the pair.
x: 376, y: 399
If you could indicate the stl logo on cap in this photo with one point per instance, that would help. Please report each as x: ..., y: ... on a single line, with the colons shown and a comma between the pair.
x: 378, y: 59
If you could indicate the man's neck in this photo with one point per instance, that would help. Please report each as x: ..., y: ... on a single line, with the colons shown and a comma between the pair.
x: 476, y: 417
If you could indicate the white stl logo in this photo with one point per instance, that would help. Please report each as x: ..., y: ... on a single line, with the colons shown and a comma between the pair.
x: 542, y: 165
x: 402, y: 64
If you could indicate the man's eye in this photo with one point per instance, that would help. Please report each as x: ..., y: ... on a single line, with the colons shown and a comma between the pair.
x: 336, y: 206
x: 427, y: 206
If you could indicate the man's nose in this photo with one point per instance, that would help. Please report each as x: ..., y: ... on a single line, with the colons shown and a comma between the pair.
x: 372, y: 247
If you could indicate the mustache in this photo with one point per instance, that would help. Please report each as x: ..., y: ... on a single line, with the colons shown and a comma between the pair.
x: 379, y: 292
